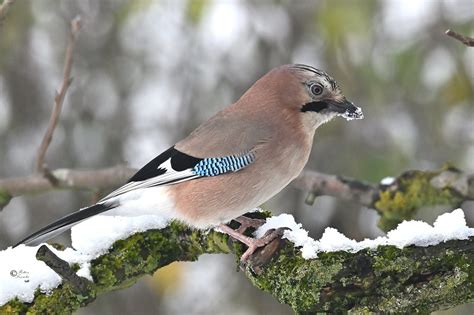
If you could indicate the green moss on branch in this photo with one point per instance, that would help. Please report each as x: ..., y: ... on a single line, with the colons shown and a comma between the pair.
x: 397, y: 201
x: 411, y: 191
x: 127, y: 261
x: 386, y: 279
x: 413, y: 279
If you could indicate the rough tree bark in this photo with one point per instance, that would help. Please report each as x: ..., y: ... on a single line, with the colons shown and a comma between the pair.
x: 412, y: 279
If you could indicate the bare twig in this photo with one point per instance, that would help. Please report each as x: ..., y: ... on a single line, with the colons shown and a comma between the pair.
x: 62, y: 268
x: 59, y: 98
x: 338, y: 186
x: 466, y: 40
x: 92, y: 180
x: 4, y: 7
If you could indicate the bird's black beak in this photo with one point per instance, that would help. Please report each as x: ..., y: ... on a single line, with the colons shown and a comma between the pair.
x: 346, y: 109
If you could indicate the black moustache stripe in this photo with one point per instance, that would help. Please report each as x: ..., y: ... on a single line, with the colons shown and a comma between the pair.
x: 314, y: 106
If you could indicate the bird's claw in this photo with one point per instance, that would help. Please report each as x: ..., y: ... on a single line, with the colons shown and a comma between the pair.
x: 246, y: 222
x: 269, y: 236
x: 252, y: 243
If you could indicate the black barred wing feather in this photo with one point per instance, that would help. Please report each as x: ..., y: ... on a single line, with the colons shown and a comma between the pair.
x: 221, y: 165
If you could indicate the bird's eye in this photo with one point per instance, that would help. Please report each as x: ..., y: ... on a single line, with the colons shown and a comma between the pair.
x: 316, y: 89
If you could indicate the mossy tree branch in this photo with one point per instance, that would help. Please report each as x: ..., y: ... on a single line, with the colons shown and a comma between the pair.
x: 387, y: 279
x: 401, y: 199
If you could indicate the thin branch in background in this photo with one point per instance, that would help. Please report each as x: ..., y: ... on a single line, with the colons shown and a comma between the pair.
x: 319, y: 184
x: 59, y: 98
x: 91, y: 180
x: 466, y: 40
x: 4, y: 7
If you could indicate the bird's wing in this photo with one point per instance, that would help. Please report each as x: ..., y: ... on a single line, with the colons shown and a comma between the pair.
x: 227, y: 142
x: 170, y: 167
x: 230, y: 131
x: 174, y: 166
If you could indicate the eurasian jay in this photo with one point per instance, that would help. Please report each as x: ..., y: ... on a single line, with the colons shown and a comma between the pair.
x: 232, y: 163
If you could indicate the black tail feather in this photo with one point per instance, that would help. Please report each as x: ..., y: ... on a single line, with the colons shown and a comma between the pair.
x: 64, y: 224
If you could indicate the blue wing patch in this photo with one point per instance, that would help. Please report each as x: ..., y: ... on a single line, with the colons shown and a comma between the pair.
x: 220, y: 165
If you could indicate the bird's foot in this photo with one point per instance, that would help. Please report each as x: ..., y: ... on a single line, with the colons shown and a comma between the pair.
x: 269, y: 236
x: 246, y: 222
x: 252, y: 243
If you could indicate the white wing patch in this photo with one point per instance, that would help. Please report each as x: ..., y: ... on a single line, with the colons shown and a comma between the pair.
x: 169, y: 177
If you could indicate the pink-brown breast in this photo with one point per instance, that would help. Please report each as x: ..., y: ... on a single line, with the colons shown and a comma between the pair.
x: 209, y: 201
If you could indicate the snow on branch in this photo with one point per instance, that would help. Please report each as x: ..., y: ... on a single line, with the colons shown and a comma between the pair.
x: 416, y: 267
x: 448, y: 226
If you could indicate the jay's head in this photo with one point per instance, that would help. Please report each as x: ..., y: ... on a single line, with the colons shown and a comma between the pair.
x: 310, y: 92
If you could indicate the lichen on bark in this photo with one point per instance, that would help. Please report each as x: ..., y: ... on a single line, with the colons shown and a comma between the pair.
x: 411, y: 191
x: 386, y: 279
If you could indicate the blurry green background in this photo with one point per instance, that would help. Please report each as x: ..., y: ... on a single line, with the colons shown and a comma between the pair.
x: 148, y: 72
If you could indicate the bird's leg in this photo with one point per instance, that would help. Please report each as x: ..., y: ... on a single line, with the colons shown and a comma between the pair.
x: 251, y: 243
x: 246, y: 222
